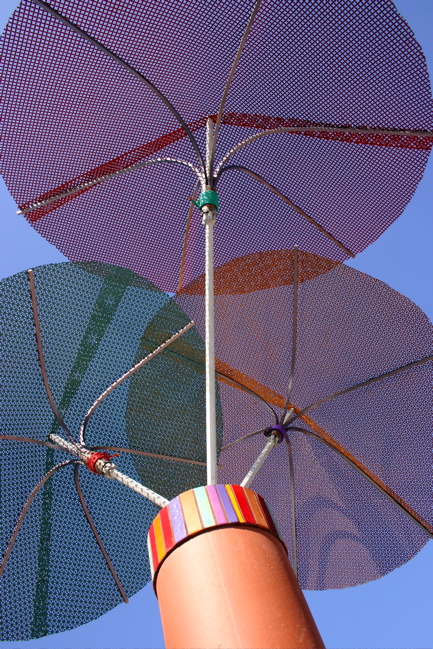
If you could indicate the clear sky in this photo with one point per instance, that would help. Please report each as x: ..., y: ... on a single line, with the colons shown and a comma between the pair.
x: 395, y: 611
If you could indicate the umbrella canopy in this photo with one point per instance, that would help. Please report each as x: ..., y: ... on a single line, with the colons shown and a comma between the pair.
x: 345, y: 363
x: 74, y: 543
x: 165, y: 405
x: 317, y: 109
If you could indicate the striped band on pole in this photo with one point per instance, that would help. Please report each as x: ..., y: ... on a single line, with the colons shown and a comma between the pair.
x: 202, y: 509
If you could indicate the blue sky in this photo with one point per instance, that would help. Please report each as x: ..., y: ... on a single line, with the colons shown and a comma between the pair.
x: 394, y: 612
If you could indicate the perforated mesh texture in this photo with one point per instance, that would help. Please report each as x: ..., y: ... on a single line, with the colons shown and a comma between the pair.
x: 351, y: 327
x: 92, y: 319
x: 166, y: 405
x: 345, y: 64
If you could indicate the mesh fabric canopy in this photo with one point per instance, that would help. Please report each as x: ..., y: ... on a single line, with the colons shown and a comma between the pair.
x: 360, y: 361
x: 119, y: 84
x: 96, y: 321
x: 166, y: 402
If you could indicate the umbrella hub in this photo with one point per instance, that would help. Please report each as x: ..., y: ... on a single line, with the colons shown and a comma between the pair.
x: 207, y: 203
x: 100, y: 463
x: 277, y: 430
x: 208, y: 198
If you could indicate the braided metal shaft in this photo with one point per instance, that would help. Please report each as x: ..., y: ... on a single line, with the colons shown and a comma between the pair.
x: 74, y: 449
x: 109, y: 470
x: 270, y: 444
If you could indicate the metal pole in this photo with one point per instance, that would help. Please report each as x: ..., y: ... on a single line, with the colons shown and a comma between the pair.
x: 114, y: 474
x: 208, y: 220
x: 292, y: 503
x: 270, y: 444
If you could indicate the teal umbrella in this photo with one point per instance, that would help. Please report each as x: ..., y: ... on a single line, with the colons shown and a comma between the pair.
x: 74, y: 543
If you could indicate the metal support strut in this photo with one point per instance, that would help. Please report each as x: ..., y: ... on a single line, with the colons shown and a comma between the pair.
x: 271, y: 442
x: 106, y: 468
x: 209, y: 212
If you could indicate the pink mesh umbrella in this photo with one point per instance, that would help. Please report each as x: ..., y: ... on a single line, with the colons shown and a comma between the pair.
x: 317, y: 108
x: 337, y: 366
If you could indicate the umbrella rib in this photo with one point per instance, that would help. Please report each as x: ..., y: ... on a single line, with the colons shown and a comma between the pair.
x: 185, y: 238
x: 244, y: 437
x: 41, y: 356
x: 96, y: 534
x: 25, y: 510
x: 44, y: 5
x: 318, y: 129
x: 298, y: 209
x: 244, y: 388
x: 292, y: 504
x: 362, y: 384
x: 147, y: 454
x: 96, y: 181
x: 18, y: 438
x: 294, y: 331
x: 363, y: 473
x: 229, y: 81
x: 126, y: 375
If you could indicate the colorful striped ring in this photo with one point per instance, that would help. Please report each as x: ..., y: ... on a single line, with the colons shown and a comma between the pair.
x: 201, y: 509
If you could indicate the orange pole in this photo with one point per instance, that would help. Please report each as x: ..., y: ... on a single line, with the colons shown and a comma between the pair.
x: 227, y: 585
x: 233, y: 588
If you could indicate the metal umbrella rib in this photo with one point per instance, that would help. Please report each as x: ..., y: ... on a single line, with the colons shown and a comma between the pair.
x: 96, y: 534
x: 126, y: 375
x: 46, y: 7
x: 186, y: 235
x: 29, y: 440
x: 25, y: 509
x: 403, y: 368
x: 294, y: 331
x: 243, y: 438
x: 120, y: 449
x: 298, y: 209
x: 41, y: 356
x: 229, y: 81
x: 368, y: 476
x: 240, y: 386
x: 96, y: 181
x: 318, y: 129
